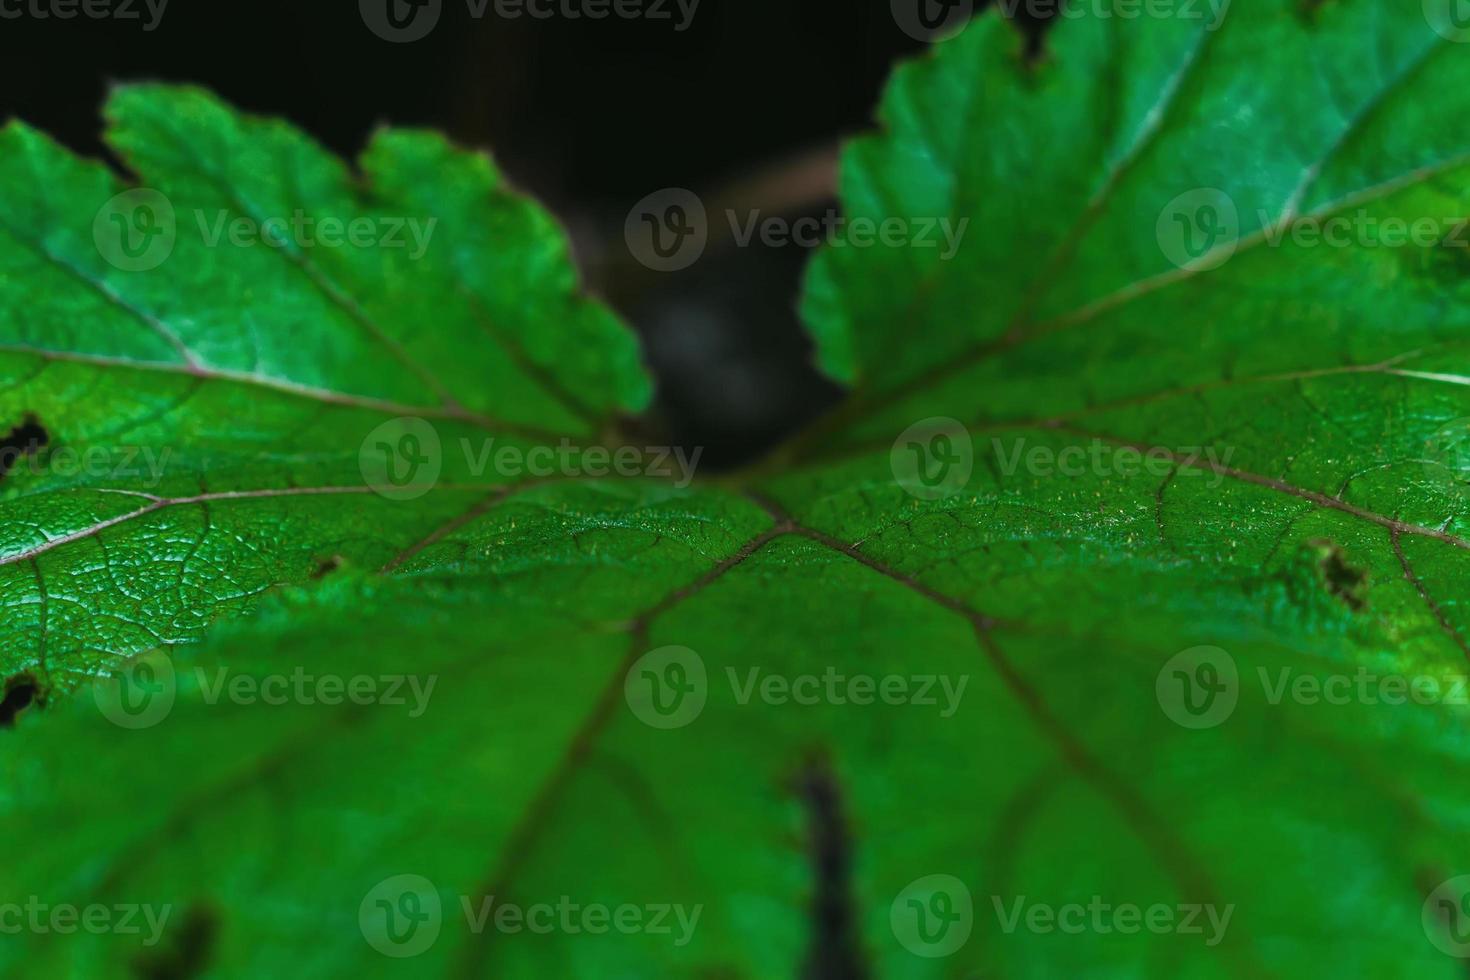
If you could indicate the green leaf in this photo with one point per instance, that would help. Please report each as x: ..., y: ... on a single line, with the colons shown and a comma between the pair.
x: 1152, y: 470
x: 205, y: 416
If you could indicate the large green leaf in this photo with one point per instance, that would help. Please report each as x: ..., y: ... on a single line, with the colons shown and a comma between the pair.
x: 1300, y: 518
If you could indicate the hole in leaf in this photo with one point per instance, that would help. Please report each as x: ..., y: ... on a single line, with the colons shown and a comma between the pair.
x: 22, y: 442
x: 1347, y: 582
x: 327, y: 566
x: 186, y: 949
x: 20, y: 694
x: 834, y: 952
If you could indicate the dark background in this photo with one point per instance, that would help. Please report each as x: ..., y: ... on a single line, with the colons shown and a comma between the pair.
x: 588, y: 116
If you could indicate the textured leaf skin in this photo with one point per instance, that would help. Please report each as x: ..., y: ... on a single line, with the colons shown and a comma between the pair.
x: 262, y: 370
x: 1329, y: 374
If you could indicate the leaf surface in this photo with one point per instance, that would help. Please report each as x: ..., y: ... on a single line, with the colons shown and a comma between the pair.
x: 1256, y: 455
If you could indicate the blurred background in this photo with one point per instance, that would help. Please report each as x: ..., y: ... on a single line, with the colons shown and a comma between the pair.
x: 745, y: 102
